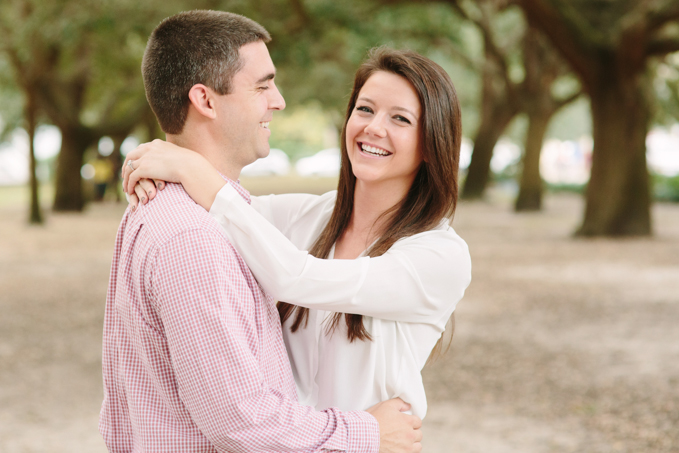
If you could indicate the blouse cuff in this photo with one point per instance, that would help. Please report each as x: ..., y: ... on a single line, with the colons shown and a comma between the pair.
x: 225, y: 195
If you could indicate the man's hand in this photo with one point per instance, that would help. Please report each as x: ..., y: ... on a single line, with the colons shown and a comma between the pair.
x: 399, y: 432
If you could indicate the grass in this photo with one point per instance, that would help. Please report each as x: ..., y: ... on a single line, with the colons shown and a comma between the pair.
x: 19, y: 196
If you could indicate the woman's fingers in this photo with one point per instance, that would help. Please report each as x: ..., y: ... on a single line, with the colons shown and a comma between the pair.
x: 132, y: 163
x: 125, y: 172
x: 133, y: 200
x: 129, y: 167
x: 133, y: 178
x: 141, y: 193
x: 140, y: 150
x: 149, y: 187
x: 158, y: 161
x: 160, y: 184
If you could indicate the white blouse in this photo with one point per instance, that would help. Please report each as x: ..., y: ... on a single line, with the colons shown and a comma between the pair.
x: 406, y: 296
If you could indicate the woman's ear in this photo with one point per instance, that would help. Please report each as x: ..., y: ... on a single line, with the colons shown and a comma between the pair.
x: 202, y: 99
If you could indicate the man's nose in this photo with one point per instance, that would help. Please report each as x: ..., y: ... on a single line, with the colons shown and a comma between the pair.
x: 276, y: 102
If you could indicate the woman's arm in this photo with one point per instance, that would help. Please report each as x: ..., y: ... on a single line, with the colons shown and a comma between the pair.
x: 160, y: 161
x: 420, y: 279
x: 163, y: 161
x: 287, y: 211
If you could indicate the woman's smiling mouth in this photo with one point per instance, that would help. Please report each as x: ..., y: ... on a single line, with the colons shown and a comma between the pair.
x: 373, y: 150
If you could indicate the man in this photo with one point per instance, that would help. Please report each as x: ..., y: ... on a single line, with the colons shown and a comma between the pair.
x: 193, y: 357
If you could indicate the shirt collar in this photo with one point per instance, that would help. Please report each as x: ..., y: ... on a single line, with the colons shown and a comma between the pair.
x: 240, y: 189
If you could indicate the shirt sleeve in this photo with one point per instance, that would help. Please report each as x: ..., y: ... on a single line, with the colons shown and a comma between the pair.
x: 207, y: 315
x: 420, y: 279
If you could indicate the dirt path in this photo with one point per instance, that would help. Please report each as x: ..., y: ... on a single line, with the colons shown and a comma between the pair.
x: 561, y: 345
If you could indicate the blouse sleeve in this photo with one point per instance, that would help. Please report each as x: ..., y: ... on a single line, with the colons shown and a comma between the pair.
x: 420, y: 279
x: 284, y: 210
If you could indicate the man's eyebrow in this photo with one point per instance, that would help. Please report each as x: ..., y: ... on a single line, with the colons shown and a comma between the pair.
x: 267, y: 77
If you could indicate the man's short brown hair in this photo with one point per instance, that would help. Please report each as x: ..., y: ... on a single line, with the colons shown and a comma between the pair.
x: 193, y: 47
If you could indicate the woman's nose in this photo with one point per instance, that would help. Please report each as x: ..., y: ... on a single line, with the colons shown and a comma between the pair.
x: 376, y: 126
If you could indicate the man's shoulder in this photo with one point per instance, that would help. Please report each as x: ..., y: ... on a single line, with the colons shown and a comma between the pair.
x: 173, y: 213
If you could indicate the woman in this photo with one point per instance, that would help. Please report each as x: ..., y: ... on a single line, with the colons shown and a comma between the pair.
x: 381, y: 247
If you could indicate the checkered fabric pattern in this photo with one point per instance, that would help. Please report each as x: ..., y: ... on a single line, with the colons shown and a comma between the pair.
x: 193, y: 357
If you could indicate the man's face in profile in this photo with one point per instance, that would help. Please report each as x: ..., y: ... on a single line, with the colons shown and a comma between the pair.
x: 245, y: 112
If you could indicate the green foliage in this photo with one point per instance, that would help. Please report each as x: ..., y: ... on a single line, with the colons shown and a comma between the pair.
x: 666, y: 188
x: 572, y: 121
x: 569, y: 188
x: 11, y: 101
x: 317, y: 46
x: 303, y: 130
x: 83, y: 56
x: 666, y: 85
x: 317, y: 61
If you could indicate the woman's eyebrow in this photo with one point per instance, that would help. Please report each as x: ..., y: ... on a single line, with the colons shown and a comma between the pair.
x: 403, y: 109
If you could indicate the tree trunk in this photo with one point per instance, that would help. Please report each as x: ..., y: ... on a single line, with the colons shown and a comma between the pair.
x: 486, y: 138
x: 69, y: 192
x: 30, y: 111
x: 530, y: 188
x: 618, y: 193
x: 498, y: 107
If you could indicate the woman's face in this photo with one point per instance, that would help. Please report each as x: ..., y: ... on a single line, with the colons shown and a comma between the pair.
x: 382, y: 131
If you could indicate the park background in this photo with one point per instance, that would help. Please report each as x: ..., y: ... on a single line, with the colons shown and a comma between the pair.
x: 566, y: 341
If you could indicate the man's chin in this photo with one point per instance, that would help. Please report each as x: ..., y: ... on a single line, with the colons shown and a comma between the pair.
x: 263, y: 152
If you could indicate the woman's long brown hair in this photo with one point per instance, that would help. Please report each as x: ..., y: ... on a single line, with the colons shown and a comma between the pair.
x: 433, y: 194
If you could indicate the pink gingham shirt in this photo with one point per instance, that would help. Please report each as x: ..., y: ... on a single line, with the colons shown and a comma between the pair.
x: 193, y: 357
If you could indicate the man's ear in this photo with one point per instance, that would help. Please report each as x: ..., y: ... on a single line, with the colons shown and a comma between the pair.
x: 202, y: 99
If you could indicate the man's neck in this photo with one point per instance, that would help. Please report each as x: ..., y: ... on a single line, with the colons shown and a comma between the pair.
x: 219, y: 158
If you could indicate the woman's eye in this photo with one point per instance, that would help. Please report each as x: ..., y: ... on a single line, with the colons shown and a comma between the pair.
x: 402, y: 119
x: 364, y: 109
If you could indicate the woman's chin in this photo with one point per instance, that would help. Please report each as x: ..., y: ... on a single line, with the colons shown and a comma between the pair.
x: 365, y: 177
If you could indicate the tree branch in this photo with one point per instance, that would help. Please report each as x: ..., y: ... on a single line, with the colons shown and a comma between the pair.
x: 561, y: 102
x: 668, y: 12
x: 300, y: 19
x: 491, y: 47
x: 455, y: 4
x: 659, y: 47
x: 560, y: 30
x: 466, y: 60
x: 123, y: 126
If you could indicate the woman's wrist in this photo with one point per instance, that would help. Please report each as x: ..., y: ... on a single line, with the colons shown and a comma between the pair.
x: 202, y: 181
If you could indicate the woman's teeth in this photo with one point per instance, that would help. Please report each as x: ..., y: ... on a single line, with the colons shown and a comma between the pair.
x: 375, y: 151
x: 264, y: 125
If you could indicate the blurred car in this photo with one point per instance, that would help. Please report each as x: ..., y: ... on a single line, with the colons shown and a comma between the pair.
x: 277, y: 163
x: 324, y: 163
